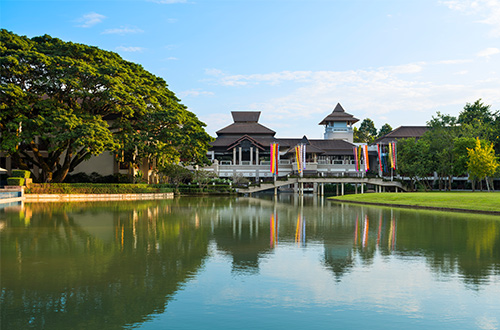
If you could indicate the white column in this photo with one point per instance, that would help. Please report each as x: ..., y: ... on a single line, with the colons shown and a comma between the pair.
x: 251, y: 155
x: 240, y: 150
x: 234, y: 156
x: 256, y: 156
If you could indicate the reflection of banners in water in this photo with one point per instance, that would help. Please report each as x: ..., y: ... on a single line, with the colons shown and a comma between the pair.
x: 392, y: 234
x: 365, y: 231
x: 379, y: 229
x: 356, y: 231
x: 274, y: 230
x: 300, y: 231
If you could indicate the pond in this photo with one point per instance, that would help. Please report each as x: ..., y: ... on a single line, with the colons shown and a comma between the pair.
x: 224, y: 263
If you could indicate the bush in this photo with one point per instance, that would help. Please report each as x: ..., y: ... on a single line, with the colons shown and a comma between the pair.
x: 13, y: 181
x: 94, y: 188
x: 95, y: 177
x: 21, y: 174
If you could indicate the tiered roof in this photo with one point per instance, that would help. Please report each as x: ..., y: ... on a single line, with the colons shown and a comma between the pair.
x: 339, y: 114
x: 246, y: 122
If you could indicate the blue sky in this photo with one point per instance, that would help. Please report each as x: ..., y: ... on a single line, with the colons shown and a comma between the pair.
x: 394, y: 61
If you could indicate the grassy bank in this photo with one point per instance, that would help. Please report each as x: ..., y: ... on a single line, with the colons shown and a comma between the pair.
x: 477, y: 201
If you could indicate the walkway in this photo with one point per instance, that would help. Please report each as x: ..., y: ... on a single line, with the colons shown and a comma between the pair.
x: 299, y: 182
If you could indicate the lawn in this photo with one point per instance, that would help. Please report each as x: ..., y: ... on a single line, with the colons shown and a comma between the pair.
x: 474, y: 201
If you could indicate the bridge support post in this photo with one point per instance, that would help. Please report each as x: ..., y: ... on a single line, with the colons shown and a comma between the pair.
x: 342, y: 189
x: 355, y: 188
x: 337, y: 189
x: 315, y: 188
x: 322, y: 189
x: 362, y: 188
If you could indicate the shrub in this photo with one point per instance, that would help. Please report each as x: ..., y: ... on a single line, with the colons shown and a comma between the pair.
x: 21, y: 174
x: 94, y: 188
x: 13, y: 181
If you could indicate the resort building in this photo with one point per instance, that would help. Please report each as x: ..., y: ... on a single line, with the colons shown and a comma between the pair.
x: 243, y: 148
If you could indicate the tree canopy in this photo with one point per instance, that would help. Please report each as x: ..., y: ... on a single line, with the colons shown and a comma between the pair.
x: 449, y: 141
x: 366, y: 132
x: 63, y: 102
x: 482, y: 161
x: 385, y: 129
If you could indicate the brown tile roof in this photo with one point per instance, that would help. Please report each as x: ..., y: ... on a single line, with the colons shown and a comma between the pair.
x: 246, y: 128
x: 333, y: 147
x: 402, y: 132
x: 245, y: 116
x: 339, y: 114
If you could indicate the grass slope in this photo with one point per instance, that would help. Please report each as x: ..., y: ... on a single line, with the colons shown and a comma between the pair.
x: 477, y: 201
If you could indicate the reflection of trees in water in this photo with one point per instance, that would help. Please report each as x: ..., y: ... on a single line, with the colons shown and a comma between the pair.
x: 450, y: 242
x: 463, y: 243
x: 58, y: 274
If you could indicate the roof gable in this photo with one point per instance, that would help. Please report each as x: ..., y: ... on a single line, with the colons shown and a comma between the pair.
x: 339, y: 114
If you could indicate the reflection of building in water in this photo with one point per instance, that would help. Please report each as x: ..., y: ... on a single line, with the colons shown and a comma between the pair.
x: 239, y: 232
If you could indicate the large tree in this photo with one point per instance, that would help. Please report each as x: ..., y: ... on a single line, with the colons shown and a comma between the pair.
x: 482, y: 161
x: 385, y: 129
x: 62, y: 103
x: 414, y: 160
x: 366, y: 132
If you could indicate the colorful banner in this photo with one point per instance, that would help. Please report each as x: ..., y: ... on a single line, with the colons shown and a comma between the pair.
x: 379, y: 153
x: 300, y: 157
x: 356, y: 158
x: 274, y: 158
x: 394, y: 155
x: 367, y: 161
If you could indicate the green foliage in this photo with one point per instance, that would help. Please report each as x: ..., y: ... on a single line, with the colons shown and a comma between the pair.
x: 414, y: 160
x: 14, y: 181
x: 93, y: 188
x: 174, y: 174
x: 95, y: 177
x: 366, y: 132
x: 482, y: 161
x: 76, y: 101
x: 385, y: 129
x: 477, y: 112
x: 21, y: 174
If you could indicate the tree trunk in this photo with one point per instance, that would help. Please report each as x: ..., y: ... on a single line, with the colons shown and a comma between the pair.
x: 487, y: 184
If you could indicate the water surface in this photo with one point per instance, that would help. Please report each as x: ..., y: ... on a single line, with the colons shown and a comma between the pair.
x: 221, y: 263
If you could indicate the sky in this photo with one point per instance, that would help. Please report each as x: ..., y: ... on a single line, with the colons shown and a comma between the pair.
x: 393, y: 61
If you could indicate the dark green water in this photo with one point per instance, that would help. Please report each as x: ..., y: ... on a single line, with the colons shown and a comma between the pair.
x: 221, y: 263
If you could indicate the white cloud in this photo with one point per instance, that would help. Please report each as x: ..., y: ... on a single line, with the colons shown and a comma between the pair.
x: 171, y: 58
x: 90, y: 19
x: 488, y: 52
x: 129, y: 49
x: 301, y: 99
x: 123, y: 31
x: 487, y: 10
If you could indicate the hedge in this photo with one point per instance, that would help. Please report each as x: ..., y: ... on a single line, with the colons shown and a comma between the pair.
x: 94, y: 188
x: 21, y: 174
x: 12, y: 181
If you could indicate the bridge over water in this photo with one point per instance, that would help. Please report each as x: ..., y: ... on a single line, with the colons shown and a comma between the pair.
x: 318, y: 184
